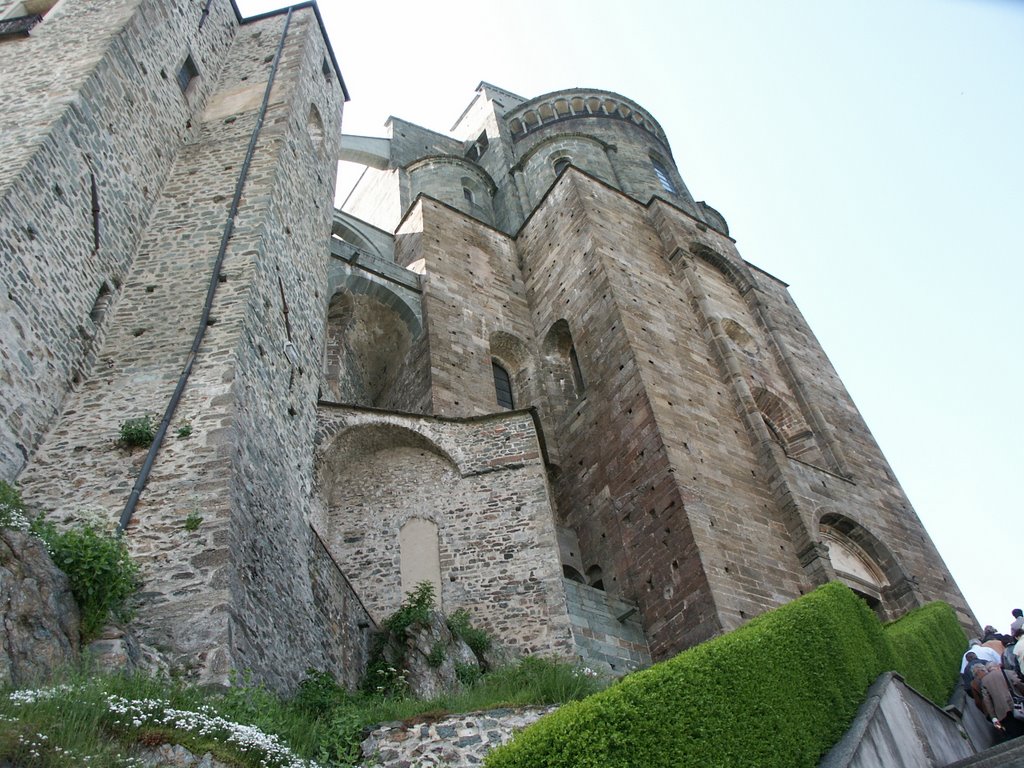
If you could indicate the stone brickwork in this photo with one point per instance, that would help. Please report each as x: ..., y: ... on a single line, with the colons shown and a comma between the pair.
x: 608, y: 631
x: 453, y: 742
x: 246, y: 589
x: 706, y: 461
x: 87, y: 145
x: 481, y: 485
x: 674, y: 424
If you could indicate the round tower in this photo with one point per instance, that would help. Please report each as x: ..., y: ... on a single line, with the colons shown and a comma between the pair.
x: 600, y: 132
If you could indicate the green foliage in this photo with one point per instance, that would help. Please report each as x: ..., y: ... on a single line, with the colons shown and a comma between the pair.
x: 101, y: 720
x: 477, y: 639
x: 384, y: 677
x: 101, y: 572
x: 185, y: 429
x: 436, y: 656
x: 928, y: 643
x: 318, y: 693
x: 415, y: 609
x: 193, y: 521
x: 12, y: 510
x: 138, y: 432
x: 467, y: 674
x: 776, y: 693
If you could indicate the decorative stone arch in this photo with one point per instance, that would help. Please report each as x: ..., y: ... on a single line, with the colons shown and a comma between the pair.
x: 370, y: 331
x: 785, y: 424
x: 560, y: 138
x: 512, y: 354
x: 862, y: 562
x: 348, y: 231
x: 385, y: 495
x: 732, y: 273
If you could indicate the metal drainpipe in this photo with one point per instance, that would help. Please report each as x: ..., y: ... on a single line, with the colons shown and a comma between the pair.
x: 229, y: 226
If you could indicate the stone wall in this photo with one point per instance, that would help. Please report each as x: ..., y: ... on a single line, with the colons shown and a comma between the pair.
x: 477, y: 490
x: 608, y: 631
x: 460, y: 741
x: 91, y: 118
x: 240, y: 591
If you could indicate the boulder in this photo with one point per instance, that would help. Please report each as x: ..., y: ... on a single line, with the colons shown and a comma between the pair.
x: 432, y: 657
x: 39, y: 620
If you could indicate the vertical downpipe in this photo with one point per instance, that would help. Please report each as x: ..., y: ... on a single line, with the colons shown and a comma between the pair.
x: 229, y: 225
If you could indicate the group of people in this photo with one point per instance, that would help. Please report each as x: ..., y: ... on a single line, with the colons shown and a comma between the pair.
x: 991, y: 675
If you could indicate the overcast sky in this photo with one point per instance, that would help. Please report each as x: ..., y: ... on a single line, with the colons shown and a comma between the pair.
x: 867, y: 152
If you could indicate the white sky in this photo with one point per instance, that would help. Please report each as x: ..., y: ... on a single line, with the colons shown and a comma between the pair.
x: 867, y: 152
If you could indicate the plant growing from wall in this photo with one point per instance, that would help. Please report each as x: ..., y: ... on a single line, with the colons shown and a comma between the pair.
x: 477, y: 639
x: 185, y: 429
x: 102, y: 574
x: 138, y: 432
x: 193, y: 521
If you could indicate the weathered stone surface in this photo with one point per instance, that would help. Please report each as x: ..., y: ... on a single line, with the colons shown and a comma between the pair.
x: 117, y: 651
x: 176, y: 756
x: 458, y: 741
x: 431, y: 656
x: 39, y: 619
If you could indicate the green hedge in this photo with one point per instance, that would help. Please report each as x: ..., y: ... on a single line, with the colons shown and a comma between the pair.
x: 927, y: 644
x: 775, y: 693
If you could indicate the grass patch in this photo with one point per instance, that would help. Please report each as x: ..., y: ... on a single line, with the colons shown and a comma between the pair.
x: 104, y: 720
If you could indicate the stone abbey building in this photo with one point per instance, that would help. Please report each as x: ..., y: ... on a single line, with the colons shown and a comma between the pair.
x: 522, y: 362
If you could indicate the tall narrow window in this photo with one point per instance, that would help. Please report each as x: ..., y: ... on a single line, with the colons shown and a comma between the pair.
x: 561, y: 164
x: 187, y: 73
x: 577, y: 374
x: 502, y: 386
x: 468, y: 194
x: 663, y: 176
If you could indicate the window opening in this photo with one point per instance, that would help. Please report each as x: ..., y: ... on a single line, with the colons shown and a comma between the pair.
x: 561, y: 164
x: 187, y: 73
x: 468, y: 194
x: 577, y: 373
x: 663, y: 176
x: 502, y: 386
x: 478, y: 147
x: 20, y: 17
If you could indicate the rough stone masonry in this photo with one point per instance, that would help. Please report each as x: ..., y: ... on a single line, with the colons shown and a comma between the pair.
x: 524, y: 363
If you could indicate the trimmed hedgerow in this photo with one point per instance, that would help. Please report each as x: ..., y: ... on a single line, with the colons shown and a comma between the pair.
x: 927, y: 644
x: 776, y: 693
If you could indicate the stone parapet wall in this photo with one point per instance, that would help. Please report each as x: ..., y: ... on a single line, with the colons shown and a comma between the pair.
x: 459, y: 741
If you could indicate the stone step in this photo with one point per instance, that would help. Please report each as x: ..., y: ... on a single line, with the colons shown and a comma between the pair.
x: 1009, y: 754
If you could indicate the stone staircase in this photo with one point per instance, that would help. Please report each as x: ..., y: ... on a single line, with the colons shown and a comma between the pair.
x: 1009, y: 754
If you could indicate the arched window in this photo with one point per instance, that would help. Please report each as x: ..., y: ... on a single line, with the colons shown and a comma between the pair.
x: 663, y: 176
x: 502, y: 386
x: 561, y: 163
x: 468, y: 194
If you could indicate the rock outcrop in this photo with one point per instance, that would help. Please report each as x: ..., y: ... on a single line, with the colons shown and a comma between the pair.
x: 432, y: 657
x: 39, y: 620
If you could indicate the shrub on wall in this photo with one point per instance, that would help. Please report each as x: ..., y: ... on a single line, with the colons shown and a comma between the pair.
x: 775, y: 693
x: 102, y: 574
x: 927, y: 644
